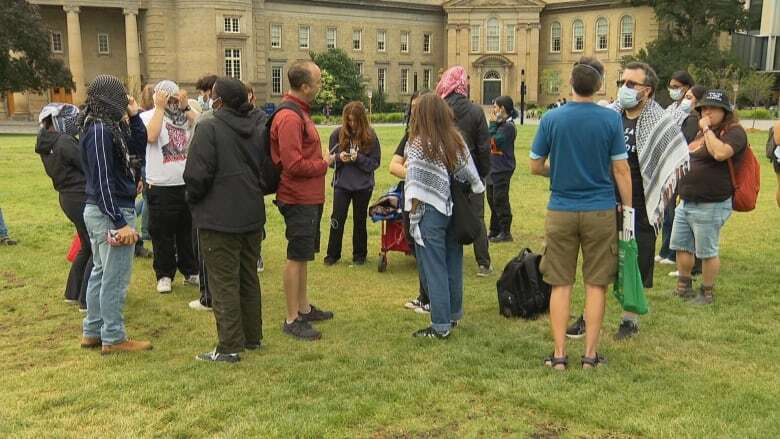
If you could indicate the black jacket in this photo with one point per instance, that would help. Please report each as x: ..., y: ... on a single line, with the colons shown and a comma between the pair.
x: 223, y: 186
x: 472, y: 123
x: 357, y: 175
x: 61, y: 157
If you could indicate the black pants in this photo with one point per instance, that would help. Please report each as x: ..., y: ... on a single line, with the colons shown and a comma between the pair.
x: 481, y: 250
x: 205, y: 295
x: 231, y: 263
x: 170, y: 225
x: 423, y: 295
x: 76, y: 288
x: 498, y: 200
x: 645, y: 242
x: 341, y: 201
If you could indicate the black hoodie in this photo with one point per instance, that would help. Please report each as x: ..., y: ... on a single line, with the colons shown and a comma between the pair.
x: 61, y: 157
x: 223, y: 189
x: 470, y: 119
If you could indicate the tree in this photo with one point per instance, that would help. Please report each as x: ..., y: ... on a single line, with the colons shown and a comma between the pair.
x: 756, y: 86
x: 26, y: 62
x: 688, y: 35
x: 328, y: 94
x: 349, y: 85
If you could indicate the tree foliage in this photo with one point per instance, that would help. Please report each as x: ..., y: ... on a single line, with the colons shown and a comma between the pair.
x: 348, y: 84
x: 26, y: 62
x: 328, y: 94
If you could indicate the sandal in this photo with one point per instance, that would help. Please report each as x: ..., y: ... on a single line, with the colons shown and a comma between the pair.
x: 553, y: 361
x: 593, y: 362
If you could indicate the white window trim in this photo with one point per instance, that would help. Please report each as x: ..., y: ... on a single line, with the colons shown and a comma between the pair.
x: 308, y: 37
x: 384, y: 40
x: 51, y: 42
x: 233, y: 58
x: 574, y: 37
x: 360, y: 40
x: 513, y: 31
x: 228, y: 28
x: 405, y: 75
x: 335, y: 37
x: 552, y: 37
x: 430, y: 43
x: 427, y: 81
x: 271, y: 35
x: 633, y: 33
x: 281, y: 80
x: 478, y: 35
x: 381, y: 80
x: 498, y: 37
x: 108, y: 44
x: 408, y: 40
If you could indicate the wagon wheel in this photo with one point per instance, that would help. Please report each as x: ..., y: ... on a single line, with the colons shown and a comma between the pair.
x: 382, y: 264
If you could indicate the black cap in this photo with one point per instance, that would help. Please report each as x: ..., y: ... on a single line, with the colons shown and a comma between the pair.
x: 715, y: 98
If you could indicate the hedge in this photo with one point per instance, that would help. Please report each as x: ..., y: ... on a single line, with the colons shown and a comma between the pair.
x: 758, y: 113
x: 320, y: 119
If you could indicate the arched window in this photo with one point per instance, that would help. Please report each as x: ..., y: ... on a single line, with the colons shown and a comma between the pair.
x: 492, y: 75
x: 578, y: 35
x: 493, y: 36
x: 627, y: 32
x: 555, y: 37
x: 602, y: 34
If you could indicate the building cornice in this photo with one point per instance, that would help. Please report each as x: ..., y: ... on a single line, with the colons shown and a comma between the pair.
x: 375, y: 5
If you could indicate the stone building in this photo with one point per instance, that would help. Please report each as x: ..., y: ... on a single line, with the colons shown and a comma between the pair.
x: 400, y: 45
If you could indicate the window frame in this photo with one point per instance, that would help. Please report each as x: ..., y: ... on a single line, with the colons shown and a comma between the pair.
x: 359, y: 33
x: 108, y: 43
x: 383, y: 33
x: 235, y: 60
x: 407, y: 42
x: 574, y: 36
x: 511, y: 36
x: 553, y: 37
x: 281, y: 80
x: 427, y: 41
x: 271, y: 35
x: 475, y: 36
x: 427, y: 77
x: 301, y: 28
x: 381, y: 79
x: 405, y: 77
x: 598, y: 48
x: 623, y: 34
x: 51, y: 42
x: 231, y: 24
x: 335, y: 44
x: 495, y: 38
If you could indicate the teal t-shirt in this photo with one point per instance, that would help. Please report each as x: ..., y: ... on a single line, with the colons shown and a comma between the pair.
x: 581, y: 140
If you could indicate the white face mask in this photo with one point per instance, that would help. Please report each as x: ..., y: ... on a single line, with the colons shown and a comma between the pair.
x: 676, y: 94
x: 685, y: 105
x: 628, y: 97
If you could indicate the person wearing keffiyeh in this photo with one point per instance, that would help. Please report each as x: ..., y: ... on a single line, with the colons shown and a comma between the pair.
x: 169, y: 127
x: 59, y: 151
x: 110, y: 130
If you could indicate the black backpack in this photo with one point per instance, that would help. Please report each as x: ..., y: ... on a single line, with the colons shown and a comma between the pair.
x: 771, y: 145
x: 272, y: 174
x: 521, y: 290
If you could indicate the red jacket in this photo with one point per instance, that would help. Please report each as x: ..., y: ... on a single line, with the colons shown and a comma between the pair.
x: 300, y: 157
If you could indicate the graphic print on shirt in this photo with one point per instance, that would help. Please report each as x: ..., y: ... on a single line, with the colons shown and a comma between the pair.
x: 630, y: 137
x: 176, y: 149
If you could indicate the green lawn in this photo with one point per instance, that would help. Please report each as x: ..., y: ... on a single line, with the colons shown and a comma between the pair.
x: 692, y: 372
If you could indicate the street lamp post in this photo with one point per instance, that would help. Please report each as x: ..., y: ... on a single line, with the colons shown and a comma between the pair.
x: 522, y: 96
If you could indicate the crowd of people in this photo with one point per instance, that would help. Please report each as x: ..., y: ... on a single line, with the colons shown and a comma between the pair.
x: 615, y: 169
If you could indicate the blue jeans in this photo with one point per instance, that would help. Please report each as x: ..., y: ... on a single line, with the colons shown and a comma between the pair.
x: 3, y: 228
x: 107, y: 287
x: 440, y: 261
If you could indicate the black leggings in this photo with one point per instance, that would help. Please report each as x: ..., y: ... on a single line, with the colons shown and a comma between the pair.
x: 76, y: 287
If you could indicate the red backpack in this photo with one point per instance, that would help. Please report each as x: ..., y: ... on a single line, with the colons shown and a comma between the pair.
x: 746, y: 179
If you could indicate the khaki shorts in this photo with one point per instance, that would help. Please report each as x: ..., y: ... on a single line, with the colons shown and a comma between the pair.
x: 565, y: 233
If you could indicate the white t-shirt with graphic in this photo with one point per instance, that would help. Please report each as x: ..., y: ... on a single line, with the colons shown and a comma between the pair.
x: 165, y: 159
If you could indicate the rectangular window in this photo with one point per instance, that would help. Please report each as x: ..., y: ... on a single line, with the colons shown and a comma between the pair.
x: 303, y: 37
x: 276, y: 36
x: 381, y: 76
x: 56, y: 42
x: 405, y: 81
x: 603, y: 89
x: 276, y: 80
x: 357, y: 39
x: 476, y: 38
x: 426, y: 43
x: 360, y: 68
x: 233, y: 63
x: 404, y: 42
x: 103, y: 46
x: 427, y: 79
x: 232, y: 25
x: 381, y: 40
x: 493, y: 36
x: 511, y: 35
x: 330, y: 38
x: 555, y: 38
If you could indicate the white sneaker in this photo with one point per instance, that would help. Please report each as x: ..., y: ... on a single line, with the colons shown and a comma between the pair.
x: 197, y: 306
x: 193, y: 280
x: 665, y: 261
x: 164, y: 285
x: 658, y: 258
x: 413, y: 304
x: 423, y: 309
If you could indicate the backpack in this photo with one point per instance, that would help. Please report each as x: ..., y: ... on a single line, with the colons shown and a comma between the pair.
x: 271, y: 173
x: 746, y: 179
x: 521, y: 290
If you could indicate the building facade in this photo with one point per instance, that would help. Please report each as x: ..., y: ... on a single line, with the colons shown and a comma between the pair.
x: 400, y: 45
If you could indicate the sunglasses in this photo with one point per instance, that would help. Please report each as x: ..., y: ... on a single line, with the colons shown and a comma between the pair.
x: 630, y: 84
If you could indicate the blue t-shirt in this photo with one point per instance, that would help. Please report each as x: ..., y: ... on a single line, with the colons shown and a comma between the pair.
x: 582, y: 140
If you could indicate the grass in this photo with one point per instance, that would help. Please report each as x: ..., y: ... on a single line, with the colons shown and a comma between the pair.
x: 692, y: 372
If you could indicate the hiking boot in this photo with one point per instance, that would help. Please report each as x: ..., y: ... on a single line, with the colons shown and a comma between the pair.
x: 301, y: 330
x: 429, y: 332
x: 425, y: 308
x: 315, y: 315
x: 485, y: 271
x: 7, y: 241
x: 330, y: 261
x: 704, y: 297
x: 127, y: 346
x: 216, y: 357
x: 577, y: 329
x: 502, y: 237
x: 164, y: 285
x: 197, y: 306
x: 627, y: 329
x: 90, y: 342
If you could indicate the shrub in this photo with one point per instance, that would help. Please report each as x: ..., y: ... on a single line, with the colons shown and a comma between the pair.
x: 758, y: 113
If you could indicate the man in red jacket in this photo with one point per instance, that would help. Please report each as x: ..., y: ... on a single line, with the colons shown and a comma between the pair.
x: 296, y: 149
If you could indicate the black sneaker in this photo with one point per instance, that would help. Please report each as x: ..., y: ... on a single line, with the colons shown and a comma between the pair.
x: 330, y: 261
x: 429, y: 332
x: 315, y: 315
x: 301, y: 329
x: 359, y: 261
x: 216, y: 357
x: 627, y: 329
x: 577, y: 329
x: 253, y: 346
x: 502, y: 237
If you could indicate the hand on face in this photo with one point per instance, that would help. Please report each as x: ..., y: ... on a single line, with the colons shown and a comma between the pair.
x: 160, y: 99
x: 183, y: 101
x: 704, y: 122
x: 132, y: 106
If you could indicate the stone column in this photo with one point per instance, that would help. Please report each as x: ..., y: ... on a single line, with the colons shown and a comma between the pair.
x: 75, y: 56
x: 532, y: 68
x: 133, y: 57
x: 452, y: 45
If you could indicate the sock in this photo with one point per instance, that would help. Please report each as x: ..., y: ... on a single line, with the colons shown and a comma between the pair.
x: 289, y: 322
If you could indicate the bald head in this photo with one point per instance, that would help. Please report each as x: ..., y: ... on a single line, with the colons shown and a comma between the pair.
x: 305, y: 80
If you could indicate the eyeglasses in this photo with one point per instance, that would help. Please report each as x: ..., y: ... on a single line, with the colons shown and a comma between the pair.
x: 630, y: 84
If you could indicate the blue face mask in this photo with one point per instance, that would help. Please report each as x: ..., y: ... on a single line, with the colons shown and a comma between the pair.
x: 685, y: 105
x: 676, y: 94
x: 628, y: 98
